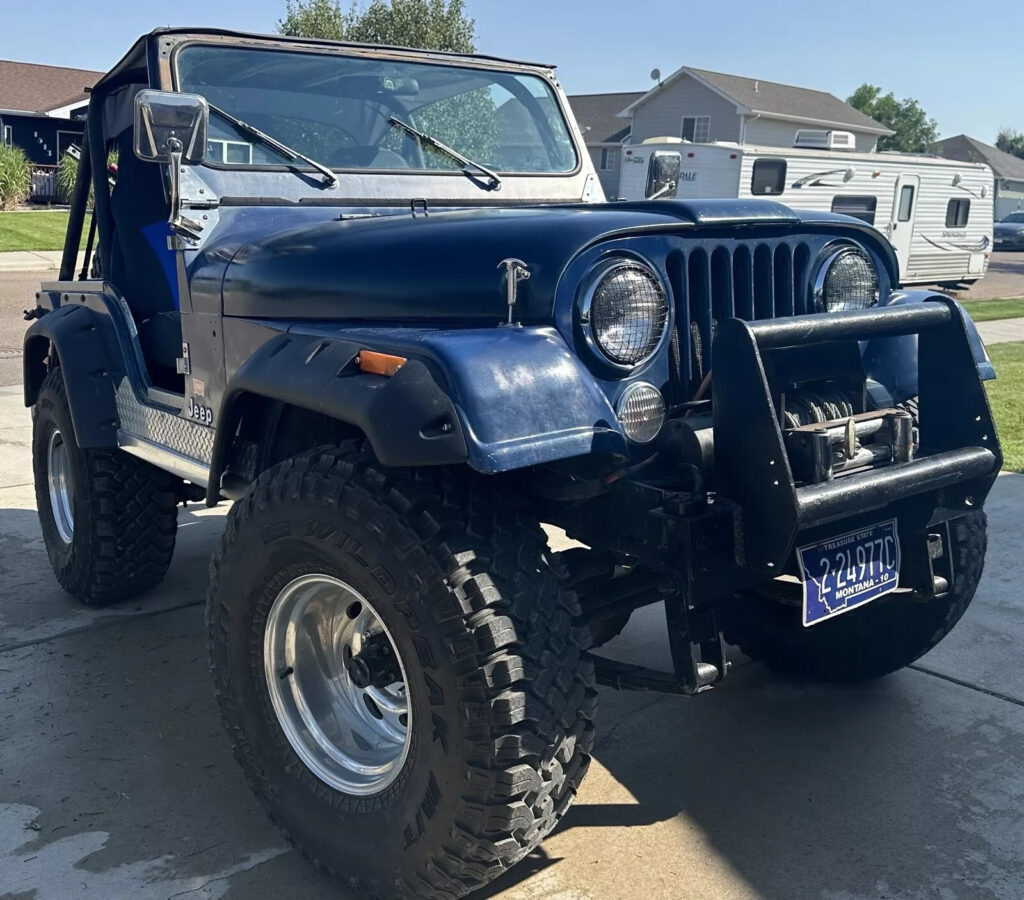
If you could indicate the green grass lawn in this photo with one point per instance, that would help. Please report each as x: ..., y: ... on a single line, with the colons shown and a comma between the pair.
x: 1006, y: 394
x: 987, y: 310
x: 35, y: 230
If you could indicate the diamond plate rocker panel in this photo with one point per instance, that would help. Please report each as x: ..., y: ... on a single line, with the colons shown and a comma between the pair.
x: 163, y: 428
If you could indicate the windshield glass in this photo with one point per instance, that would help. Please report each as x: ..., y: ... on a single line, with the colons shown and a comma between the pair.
x: 1014, y: 217
x: 336, y: 109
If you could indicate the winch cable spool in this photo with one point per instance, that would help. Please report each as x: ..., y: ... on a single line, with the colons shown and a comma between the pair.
x: 808, y: 407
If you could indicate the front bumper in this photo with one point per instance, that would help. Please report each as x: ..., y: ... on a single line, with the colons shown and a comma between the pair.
x: 959, y: 451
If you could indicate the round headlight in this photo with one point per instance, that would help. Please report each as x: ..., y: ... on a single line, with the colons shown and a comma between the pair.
x: 641, y: 410
x: 626, y: 311
x: 846, y: 280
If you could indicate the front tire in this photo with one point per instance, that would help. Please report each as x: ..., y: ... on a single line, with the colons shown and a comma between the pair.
x: 484, y: 653
x: 882, y: 637
x: 109, y: 520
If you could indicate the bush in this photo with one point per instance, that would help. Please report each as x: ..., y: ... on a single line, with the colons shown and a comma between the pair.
x: 67, y: 174
x: 15, y: 177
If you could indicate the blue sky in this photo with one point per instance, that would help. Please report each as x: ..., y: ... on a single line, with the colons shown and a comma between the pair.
x: 962, y: 63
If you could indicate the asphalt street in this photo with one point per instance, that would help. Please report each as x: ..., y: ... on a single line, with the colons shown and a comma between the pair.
x: 116, y: 780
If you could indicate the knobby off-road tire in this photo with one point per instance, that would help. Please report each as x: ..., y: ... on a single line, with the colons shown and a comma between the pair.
x: 500, y: 696
x: 110, y: 529
x: 883, y: 636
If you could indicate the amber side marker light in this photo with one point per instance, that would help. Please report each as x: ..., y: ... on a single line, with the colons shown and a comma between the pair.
x: 379, y: 363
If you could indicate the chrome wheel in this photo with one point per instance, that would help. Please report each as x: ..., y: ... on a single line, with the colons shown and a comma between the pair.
x: 337, y: 684
x: 58, y: 474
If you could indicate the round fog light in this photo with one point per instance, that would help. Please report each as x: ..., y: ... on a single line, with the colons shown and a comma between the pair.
x: 641, y: 410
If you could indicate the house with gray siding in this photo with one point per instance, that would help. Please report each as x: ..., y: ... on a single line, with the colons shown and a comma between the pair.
x: 1008, y: 194
x: 604, y: 132
x: 702, y: 106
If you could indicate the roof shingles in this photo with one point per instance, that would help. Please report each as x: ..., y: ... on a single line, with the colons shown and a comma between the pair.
x: 597, y: 115
x: 968, y: 149
x: 30, y: 87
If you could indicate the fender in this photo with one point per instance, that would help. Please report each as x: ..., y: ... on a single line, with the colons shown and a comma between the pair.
x: 893, y: 360
x: 496, y: 398
x: 86, y: 345
x: 408, y: 418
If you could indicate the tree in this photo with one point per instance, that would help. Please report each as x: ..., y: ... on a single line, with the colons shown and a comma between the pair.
x: 914, y: 130
x: 1010, y: 140
x: 466, y: 121
x: 428, y: 24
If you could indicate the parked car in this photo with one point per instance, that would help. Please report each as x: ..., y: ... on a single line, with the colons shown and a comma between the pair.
x: 374, y: 297
x: 1009, y: 233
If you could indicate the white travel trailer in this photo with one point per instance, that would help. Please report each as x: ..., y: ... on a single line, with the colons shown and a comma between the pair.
x: 937, y: 213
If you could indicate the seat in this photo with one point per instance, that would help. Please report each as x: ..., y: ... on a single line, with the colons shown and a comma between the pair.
x: 142, y: 266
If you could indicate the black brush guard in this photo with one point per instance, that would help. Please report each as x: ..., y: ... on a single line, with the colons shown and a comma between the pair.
x: 959, y: 452
x: 747, y: 534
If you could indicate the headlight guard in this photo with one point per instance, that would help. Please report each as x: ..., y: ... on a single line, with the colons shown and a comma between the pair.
x: 624, y: 312
x: 846, y: 279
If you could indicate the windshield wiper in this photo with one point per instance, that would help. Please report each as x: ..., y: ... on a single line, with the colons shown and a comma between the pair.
x: 467, y: 163
x: 330, y: 179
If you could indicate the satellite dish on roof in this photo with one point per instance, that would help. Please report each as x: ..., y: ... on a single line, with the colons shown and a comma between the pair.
x: 656, y: 75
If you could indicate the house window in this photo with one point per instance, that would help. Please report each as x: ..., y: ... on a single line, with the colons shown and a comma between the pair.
x: 769, y: 177
x: 229, y: 152
x: 8, y: 136
x: 696, y: 129
x: 608, y: 158
x: 862, y: 208
x: 957, y: 212
x: 906, y: 206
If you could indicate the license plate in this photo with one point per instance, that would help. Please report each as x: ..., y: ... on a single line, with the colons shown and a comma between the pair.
x: 845, y: 572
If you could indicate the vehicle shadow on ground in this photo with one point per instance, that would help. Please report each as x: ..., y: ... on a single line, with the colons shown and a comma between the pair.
x: 910, y: 786
x: 896, y: 788
x: 33, y: 606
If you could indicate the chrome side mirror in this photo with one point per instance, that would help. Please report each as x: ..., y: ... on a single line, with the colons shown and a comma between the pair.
x: 172, y: 128
x: 663, y: 174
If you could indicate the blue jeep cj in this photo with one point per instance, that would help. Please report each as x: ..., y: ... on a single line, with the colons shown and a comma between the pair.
x: 374, y: 297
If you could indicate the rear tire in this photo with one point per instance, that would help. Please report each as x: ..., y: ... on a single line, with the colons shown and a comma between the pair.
x: 885, y: 635
x: 109, y: 520
x: 498, y: 694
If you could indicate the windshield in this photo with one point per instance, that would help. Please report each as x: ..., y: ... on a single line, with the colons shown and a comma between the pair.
x: 338, y: 110
x: 1015, y: 217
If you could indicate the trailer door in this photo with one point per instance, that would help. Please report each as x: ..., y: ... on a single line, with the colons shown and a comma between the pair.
x: 901, y: 223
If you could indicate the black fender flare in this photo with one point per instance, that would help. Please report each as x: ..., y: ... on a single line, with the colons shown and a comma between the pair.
x: 408, y: 418
x: 84, y: 342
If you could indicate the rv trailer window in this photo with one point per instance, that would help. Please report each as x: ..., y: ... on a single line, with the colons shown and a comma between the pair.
x: 769, y: 177
x: 862, y: 208
x: 696, y: 129
x: 906, y: 203
x: 957, y: 212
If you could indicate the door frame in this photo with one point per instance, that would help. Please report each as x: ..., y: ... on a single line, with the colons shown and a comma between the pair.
x: 901, y: 232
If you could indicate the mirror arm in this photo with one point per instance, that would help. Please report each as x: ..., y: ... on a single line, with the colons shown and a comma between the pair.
x: 667, y: 187
x: 181, y: 225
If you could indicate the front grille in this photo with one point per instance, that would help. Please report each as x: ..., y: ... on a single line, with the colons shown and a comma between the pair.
x: 713, y: 282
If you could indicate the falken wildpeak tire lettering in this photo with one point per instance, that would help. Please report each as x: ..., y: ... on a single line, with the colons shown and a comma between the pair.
x: 501, y: 693
x: 125, y: 510
x: 882, y: 637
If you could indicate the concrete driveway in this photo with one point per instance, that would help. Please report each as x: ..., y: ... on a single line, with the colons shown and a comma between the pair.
x: 116, y: 781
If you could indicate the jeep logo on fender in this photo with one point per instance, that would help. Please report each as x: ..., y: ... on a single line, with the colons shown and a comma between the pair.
x: 202, y: 414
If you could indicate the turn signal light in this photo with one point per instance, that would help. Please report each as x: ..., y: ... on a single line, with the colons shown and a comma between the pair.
x: 379, y: 363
